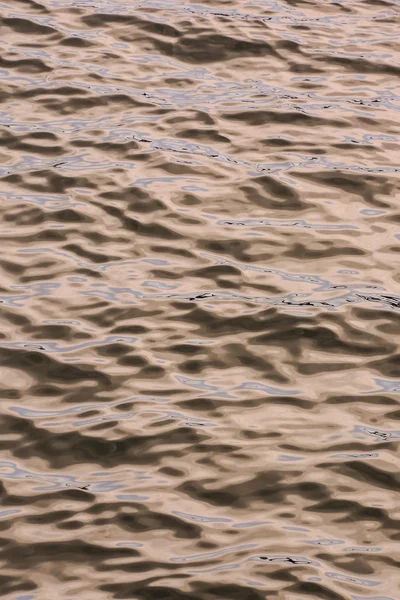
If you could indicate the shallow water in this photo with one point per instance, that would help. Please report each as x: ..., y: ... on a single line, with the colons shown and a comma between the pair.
x: 200, y: 302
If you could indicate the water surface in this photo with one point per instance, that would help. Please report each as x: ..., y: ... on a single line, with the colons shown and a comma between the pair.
x: 200, y: 300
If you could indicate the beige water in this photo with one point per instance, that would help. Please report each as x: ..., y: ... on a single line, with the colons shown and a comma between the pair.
x: 199, y: 287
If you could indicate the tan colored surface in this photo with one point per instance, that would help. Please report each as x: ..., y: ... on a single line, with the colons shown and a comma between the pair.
x: 199, y: 288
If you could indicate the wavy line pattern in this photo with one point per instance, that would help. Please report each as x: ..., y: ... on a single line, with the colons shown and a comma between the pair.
x: 199, y: 299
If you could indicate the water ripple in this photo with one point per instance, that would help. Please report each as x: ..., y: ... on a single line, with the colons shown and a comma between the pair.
x: 199, y: 299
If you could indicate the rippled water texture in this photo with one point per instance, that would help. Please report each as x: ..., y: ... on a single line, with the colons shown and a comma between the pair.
x: 200, y: 302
